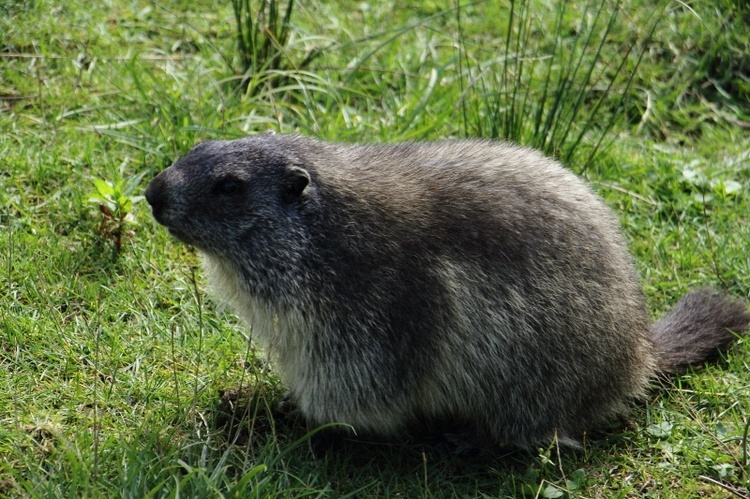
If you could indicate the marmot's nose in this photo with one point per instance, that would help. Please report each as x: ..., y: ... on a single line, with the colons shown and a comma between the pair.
x: 155, y: 194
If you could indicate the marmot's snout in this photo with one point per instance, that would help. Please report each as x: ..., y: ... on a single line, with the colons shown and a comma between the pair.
x: 168, y: 207
x: 156, y: 196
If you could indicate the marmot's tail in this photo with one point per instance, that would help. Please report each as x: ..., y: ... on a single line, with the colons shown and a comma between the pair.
x: 701, y: 323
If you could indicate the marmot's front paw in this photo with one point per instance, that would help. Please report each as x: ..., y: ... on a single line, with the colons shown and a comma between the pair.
x: 287, y: 411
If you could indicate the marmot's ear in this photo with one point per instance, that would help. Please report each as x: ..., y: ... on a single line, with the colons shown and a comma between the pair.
x: 295, y: 181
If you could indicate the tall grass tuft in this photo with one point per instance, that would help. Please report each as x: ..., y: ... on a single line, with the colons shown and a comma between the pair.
x: 559, y: 95
x: 263, y: 36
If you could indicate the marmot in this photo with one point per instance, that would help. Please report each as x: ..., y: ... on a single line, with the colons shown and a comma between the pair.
x: 464, y: 282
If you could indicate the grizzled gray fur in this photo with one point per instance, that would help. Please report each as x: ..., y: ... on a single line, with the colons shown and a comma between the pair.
x: 468, y: 282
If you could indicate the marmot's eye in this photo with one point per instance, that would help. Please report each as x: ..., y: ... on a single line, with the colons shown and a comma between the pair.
x: 227, y: 187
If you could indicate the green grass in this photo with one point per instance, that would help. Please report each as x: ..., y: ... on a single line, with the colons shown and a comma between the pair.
x: 111, y: 362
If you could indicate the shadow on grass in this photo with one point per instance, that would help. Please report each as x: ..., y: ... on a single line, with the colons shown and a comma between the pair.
x: 412, y: 467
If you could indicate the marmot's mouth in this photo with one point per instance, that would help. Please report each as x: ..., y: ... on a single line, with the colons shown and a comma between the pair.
x: 179, y: 235
x: 185, y: 238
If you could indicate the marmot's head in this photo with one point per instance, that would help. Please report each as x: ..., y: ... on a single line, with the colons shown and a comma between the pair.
x: 233, y: 198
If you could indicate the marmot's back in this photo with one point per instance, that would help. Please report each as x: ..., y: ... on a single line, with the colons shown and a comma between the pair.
x: 467, y: 282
